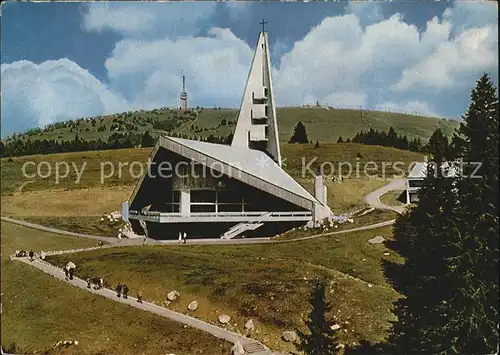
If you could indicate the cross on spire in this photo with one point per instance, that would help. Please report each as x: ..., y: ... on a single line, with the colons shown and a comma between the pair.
x: 263, y: 24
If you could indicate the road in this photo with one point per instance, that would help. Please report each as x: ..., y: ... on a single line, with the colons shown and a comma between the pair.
x: 373, y: 198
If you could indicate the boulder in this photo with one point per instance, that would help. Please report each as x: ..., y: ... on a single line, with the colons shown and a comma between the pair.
x: 173, y: 296
x: 335, y: 327
x: 377, y: 240
x: 249, y: 325
x: 224, y: 318
x: 237, y: 349
x: 289, y: 336
x: 193, y: 306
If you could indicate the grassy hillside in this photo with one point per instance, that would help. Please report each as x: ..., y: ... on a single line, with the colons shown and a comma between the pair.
x: 267, y: 283
x: 325, y: 125
x: 39, y: 310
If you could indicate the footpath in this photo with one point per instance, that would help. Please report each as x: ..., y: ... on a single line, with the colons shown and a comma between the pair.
x: 250, y: 346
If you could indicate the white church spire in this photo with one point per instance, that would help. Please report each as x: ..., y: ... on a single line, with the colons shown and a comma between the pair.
x: 256, y: 127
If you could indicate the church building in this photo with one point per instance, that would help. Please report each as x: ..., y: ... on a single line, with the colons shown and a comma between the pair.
x: 226, y: 191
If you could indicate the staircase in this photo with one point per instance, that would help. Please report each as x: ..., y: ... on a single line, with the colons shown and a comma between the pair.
x: 244, y: 226
x: 255, y: 348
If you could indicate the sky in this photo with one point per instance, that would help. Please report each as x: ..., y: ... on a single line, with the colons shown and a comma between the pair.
x: 62, y: 60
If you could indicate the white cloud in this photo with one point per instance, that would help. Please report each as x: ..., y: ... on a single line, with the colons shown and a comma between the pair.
x: 456, y: 62
x: 216, y: 68
x: 466, y: 15
x: 366, y: 12
x: 147, y: 21
x: 39, y: 94
x: 124, y: 18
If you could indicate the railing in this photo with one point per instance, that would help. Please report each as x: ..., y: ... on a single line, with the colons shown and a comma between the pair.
x: 219, y: 215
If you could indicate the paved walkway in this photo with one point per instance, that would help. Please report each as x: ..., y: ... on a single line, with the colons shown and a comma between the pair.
x: 373, y: 198
x: 221, y: 333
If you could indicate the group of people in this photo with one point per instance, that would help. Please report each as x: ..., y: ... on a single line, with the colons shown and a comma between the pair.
x: 31, y: 254
x: 96, y: 283
x: 23, y: 253
x: 122, y: 290
x: 182, y: 237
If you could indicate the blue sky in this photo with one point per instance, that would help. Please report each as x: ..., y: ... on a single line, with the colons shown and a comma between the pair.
x: 62, y: 61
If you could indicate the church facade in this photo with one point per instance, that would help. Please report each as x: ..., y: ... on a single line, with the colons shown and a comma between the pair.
x: 227, y: 191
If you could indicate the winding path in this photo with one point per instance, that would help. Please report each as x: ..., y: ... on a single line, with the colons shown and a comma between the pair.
x: 373, y: 198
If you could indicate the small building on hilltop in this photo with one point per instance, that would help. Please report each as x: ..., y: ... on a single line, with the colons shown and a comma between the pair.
x: 214, y: 190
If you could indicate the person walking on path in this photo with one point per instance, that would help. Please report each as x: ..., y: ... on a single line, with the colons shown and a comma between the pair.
x: 125, y: 291
x: 180, y: 237
x: 88, y: 283
x: 184, y: 237
x: 71, y: 269
x: 139, y: 296
x: 119, y: 290
x: 31, y: 255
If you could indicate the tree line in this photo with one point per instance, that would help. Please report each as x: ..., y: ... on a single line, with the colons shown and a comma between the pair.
x: 371, y: 137
x: 20, y: 147
x: 386, y: 139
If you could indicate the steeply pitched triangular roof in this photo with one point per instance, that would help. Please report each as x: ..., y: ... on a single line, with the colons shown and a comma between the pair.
x: 248, y: 161
x: 255, y: 104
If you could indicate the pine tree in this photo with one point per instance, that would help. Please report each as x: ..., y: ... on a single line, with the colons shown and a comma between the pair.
x: 147, y: 140
x: 422, y: 236
x: 316, y: 145
x: 299, y: 134
x: 474, y: 320
x: 320, y: 340
x: 450, y: 245
x: 438, y: 145
x: 340, y: 140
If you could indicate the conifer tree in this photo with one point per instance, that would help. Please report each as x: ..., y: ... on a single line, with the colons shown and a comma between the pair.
x: 147, y: 140
x: 299, y: 134
x: 421, y: 238
x: 474, y: 317
x: 320, y: 340
x: 438, y: 145
x: 450, y: 245
x: 340, y: 140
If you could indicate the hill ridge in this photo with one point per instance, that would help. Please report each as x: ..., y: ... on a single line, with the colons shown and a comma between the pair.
x: 322, y: 124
